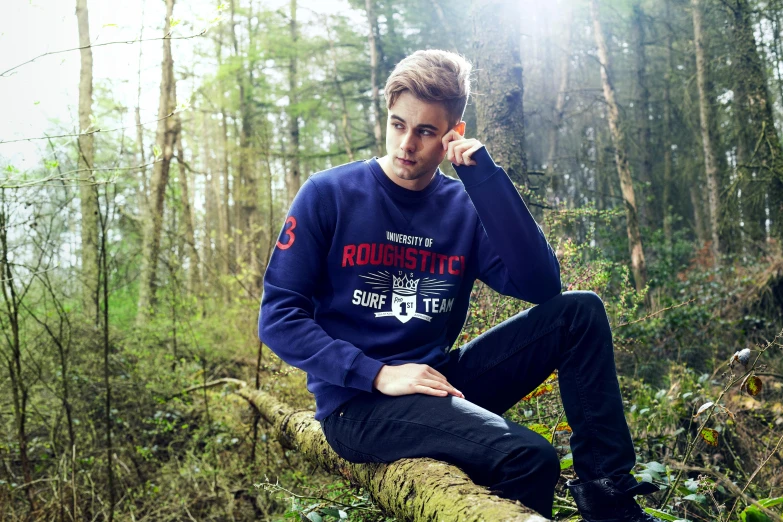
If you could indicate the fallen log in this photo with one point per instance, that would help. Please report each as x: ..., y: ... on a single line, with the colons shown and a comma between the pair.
x: 419, y: 489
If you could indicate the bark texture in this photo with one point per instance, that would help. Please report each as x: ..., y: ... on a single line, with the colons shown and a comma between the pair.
x: 644, y: 137
x: 194, y: 280
x: 166, y: 137
x: 411, y: 489
x: 638, y: 264
x: 294, y: 178
x: 376, y: 103
x: 706, y: 124
x: 668, y: 142
x: 559, y: 109
x: 759, y: 151
x: 500, y: 118
x: 87, y: 189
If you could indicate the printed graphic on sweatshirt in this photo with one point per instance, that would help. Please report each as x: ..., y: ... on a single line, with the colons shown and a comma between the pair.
x: 404, y: 290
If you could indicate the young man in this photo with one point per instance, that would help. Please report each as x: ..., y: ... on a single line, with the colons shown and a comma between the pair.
x: 368, y: 289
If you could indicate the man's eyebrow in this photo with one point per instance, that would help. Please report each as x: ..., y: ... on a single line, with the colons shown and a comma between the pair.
x: 421, y: 126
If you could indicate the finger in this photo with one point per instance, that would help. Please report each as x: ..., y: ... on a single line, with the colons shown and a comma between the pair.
x: 449, y: 137
x: 452, y: 154
x: 428, y: 390
x: 459, y: 149
x: 465, y: 151
x: 472, y: 150
x: 439, y: 376
x: 432, y: 370
x: 436, y: 388
x: 449, y: 151
x: 442, y: 386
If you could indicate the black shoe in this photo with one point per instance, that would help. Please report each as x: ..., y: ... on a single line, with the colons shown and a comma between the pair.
x: 600, y: 501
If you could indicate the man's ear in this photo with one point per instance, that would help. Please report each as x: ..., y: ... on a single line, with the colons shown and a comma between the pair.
x: 460, y: 128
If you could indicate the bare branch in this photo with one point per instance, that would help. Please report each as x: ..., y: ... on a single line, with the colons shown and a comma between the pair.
x: 137, y: 40
x: 61, y: 176
x: 89, y: 132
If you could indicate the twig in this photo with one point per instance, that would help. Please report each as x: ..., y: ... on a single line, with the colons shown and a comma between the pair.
x: 730, y: 486
x: 167, y: 37
x: 656, y: 313
x: 742, y: 492
x: 212, y: 384
x: 268, y: 485
x: 554, y: 428
x: 731, y: 383
x: 94, y: 131
x: 61, y: 176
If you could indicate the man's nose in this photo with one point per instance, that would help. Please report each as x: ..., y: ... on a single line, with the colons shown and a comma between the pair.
x: 408, y: 142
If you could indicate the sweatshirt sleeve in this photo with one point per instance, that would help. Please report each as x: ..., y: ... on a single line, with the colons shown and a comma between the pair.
x: 511, y: 252
x: 286, y: 324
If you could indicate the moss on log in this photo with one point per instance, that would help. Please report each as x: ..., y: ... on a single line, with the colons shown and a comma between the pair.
x: 410, y: 489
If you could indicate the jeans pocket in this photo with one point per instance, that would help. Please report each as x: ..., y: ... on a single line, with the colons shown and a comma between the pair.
x: 339, y: 431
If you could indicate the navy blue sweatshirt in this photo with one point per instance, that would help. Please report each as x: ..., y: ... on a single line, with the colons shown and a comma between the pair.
x: 367, y: 273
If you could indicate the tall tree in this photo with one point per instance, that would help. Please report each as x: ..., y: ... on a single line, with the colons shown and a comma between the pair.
x: 376, y: 103
x: 638, y: 264
x: 759, y: 153
x: 166, y: 137
x: 559, y: 108
x: 668, y: 132
x: 642, y: 102
x: 187, y: 215
x: 706, y: 127
x: 499, y: 112
x: 88, y: 192
x: 294, y: 178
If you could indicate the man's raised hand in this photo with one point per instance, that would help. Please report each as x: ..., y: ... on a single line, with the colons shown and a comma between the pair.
x: 460, y: 149
x: 407, y: 379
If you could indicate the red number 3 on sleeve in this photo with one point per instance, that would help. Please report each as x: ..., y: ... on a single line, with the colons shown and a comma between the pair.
x: 289, y: 233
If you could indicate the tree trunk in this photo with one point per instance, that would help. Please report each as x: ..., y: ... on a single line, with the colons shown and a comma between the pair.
x: 187, y: 217
x: 557, y: 117
x: 698, y: 214
x: 294, y: 178
x: 499, y: 113
x: 345, y: 127
x: 758, y: 147
x: 141, y: 183
x: 706, y: 125
x: 638, y: 264
x: 210, y: 257
x: 376, y: 103
x: 166, y: 137
x: 87, y: 188
x: 226, y: 259
x: 666, y: 204
x: 251, y: 184
x: 643, y: 112
x: 230, y: 261
x: 245, y: 186
x: 410, y: 489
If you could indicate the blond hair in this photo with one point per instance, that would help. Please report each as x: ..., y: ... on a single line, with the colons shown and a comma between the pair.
x: 432, y: 76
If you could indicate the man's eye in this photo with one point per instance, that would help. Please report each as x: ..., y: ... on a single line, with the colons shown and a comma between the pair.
x: 426, y: 132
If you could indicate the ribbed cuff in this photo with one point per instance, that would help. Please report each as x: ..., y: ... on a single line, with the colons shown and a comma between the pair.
x: 362, y: 373
x: 484, y: 168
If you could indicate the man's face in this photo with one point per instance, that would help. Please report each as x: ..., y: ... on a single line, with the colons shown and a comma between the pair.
x: 414, y: 131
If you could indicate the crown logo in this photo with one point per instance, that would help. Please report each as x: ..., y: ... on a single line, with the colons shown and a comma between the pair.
x: 405, y: 285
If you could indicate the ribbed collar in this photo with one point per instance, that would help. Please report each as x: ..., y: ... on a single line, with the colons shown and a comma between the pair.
x: 401, y: 192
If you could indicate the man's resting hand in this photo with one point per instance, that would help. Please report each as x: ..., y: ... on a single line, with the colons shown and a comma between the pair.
x: 407, y: 379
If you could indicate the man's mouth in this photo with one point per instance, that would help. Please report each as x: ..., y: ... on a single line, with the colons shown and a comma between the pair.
x: 406, y: 162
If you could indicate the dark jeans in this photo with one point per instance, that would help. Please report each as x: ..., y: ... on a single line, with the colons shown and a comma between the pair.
x: 570, y: 333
